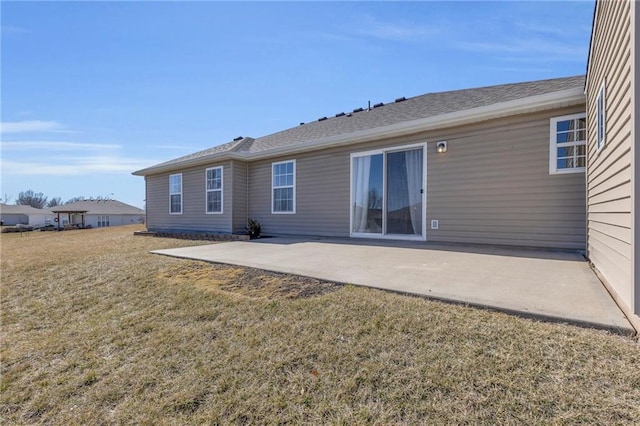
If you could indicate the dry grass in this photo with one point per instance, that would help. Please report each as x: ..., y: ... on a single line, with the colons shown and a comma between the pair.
x: 95, y: 330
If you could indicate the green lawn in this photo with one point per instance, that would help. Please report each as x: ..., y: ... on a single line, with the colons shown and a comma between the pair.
x: 96, y: 330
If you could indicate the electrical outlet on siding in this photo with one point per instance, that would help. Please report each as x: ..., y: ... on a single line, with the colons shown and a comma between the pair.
x: 434, y: 224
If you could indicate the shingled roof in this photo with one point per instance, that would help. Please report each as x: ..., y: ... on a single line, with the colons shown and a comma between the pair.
x: 430, y: 105
x: 104, y: 207
x: 21, y: 209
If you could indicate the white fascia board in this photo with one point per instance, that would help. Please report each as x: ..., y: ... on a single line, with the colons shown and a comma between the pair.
x: 192, y: 162
x: 563, y: 98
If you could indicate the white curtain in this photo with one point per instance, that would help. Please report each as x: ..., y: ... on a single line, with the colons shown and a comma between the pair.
x: 361, y: 172
x: 413, y: 161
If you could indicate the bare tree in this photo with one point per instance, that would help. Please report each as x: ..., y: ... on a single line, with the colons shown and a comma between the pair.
x: 34, y: 199
x: 90, y: 198
x: 74, y: 199
x: 56, y: 201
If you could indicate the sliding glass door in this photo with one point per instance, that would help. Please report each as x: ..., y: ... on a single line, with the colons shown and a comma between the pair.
x: 387, y: 193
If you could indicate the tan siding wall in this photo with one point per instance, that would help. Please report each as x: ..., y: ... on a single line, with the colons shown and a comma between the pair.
x: 240, y: 196
x: 322, y: 195
x: 609, y: 181
x: 635, y: 149
x: 492, y: 186
x: 193, y: 215
x: 496, y: 188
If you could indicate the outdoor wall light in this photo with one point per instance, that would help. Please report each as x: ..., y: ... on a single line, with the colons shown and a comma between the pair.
x: 441, y: 147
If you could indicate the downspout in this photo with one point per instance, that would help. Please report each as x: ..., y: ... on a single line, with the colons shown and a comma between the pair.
x: 635, y: 159
x: 229, y: 206
x: 146, y: 197
x: 247, y: 195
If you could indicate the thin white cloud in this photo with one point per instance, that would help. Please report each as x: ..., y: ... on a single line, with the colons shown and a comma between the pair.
x: 29, y: 126
x: 89, y: 165
x: 63, y: 158
x: 527, y: 48
x: 552, y: 30
x: 12, y: 29
x: 371, y: 27
x: 520, y: 69
x: 177, y: 147
x: 55, y: 146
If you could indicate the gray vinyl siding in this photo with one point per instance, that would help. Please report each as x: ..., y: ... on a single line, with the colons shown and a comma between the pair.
x: 240, y: 196
x: 322, y: 195
x: 492, y: 186
x: 193, y: 217
x: 114, y: 219
x: 495, y: 187
x: 10, y: 219
x: 635, y: 149
x: 610, y: 171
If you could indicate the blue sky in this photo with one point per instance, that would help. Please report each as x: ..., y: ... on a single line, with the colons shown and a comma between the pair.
x: 92, y: 91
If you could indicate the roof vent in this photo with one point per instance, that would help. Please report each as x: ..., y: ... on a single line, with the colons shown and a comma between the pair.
x: 401, y: 99
x: 358, y: 110
x: 340, y: 114
x: 238, y: 138
x: 378, y: 105
x: 322, y: 118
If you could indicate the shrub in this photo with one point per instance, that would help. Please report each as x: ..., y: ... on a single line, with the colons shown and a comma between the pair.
x: 253, y: 228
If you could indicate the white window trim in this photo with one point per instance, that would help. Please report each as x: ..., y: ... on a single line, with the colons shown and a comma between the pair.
x: 103, y: 221
x: 175, y: 193
x: 273, y: 188
x: 601, y: 98
x: 383, y: 151
x: 553, y: 146
x: 206, y: 190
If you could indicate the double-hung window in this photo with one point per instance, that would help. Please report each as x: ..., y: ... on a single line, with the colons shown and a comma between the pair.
x: 601, y: 139
x: 283, y: 187
x: 214, y: 190
x: 175, y: 194
x: 568, y: 138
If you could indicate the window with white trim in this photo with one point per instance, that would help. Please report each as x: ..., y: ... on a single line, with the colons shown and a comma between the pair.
x: 175, y: 194
x: 601, y: 131
x: 214, y: 190
x: 568, y: 139
x: 103, y: 221
x: 283, y: 187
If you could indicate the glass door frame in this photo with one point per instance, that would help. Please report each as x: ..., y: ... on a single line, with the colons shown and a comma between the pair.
x: 383, y: 234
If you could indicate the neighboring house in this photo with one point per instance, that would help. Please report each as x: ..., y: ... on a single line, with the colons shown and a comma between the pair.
x: 98, y: 213
x: 613, y: 168
x: 377, y: 173
x: 24, y: 215
x: 495, y: 165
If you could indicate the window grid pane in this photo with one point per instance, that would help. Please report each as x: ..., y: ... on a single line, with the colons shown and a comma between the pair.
x: 176, y: 201
x: 175, y: 194
x: 214, y: 201
x: 175, y: 184
x: 214, y: 190
x: 570, y: 140
x: 283, y: 187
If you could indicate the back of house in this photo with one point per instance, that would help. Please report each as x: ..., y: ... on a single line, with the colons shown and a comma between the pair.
x: 550, y: 163
x: 510, y: 170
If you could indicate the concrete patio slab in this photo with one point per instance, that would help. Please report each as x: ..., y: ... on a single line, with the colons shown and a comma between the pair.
x: 548, y: 284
